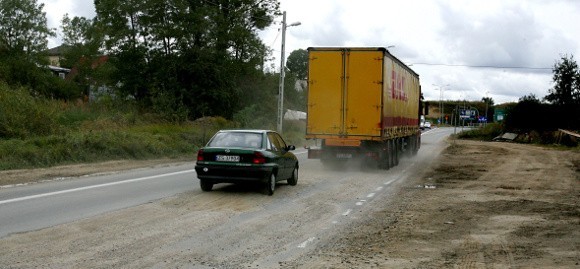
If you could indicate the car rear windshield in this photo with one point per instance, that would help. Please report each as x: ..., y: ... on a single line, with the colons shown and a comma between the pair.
x: 237, y: 140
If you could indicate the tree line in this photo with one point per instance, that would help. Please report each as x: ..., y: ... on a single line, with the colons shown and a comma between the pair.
x: 186, y: 59
x: 560, y: 109
x: 183, y: 59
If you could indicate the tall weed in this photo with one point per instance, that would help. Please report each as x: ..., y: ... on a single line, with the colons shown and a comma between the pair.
x: 23, y: 115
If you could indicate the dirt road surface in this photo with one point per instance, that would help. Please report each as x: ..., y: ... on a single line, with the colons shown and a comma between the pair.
x: 479, y: 205
x: 483, y: 205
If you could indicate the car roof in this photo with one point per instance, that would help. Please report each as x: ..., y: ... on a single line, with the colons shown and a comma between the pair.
x: 246, y: 131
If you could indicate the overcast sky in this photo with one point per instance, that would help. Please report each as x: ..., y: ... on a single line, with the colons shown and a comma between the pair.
x: 502, y: 49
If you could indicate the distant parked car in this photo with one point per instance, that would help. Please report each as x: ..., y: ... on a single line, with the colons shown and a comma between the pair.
x: 427, y: 125
x: 244, y: 156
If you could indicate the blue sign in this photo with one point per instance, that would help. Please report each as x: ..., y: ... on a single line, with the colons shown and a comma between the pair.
x: 467, y: 114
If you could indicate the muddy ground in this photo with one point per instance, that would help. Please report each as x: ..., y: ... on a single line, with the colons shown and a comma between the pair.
x: 480, y: 205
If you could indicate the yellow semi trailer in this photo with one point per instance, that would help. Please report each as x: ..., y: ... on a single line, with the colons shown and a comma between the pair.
x: 363, y: 103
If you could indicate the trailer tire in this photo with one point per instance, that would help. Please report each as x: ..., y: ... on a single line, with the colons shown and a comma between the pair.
x: 396, y: 152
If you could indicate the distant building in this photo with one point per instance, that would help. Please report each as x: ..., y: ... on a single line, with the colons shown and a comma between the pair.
x: 59, y: 71
x: 55, y: 55
x: 294, y: 115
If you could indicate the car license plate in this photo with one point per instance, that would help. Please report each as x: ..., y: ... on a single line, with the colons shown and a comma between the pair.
x: 227, y: 158
x: 344, y: 155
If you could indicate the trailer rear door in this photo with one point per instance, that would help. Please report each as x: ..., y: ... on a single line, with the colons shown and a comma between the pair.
x: 325, y: 84
x: 363, y: 104
x: 345, y: 92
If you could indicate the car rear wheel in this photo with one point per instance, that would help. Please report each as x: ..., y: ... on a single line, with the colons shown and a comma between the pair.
x: 271, y: 184
x: 205, y: 186
x: 293, y: 180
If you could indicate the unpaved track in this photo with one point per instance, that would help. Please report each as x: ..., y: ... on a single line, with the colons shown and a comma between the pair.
x: 483, y: 205
x: 479, y: 205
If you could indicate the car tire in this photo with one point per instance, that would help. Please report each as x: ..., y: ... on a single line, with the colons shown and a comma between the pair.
x: 293, y: 180
x: 205, y: 186
x: 271, y: 184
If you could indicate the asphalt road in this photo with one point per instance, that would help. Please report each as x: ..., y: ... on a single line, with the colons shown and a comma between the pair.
x: 42, y: 205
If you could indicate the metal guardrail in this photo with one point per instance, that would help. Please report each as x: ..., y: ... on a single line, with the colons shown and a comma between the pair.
x: 569, y: 133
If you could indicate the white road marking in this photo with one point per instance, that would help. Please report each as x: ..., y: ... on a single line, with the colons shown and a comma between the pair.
x: 347, y: 212
x: 93, y: 187
x: 379, y: 188
x: 305, y: 243
x: 371, y: 195
x: 359, y: 203
x: 389, y: 182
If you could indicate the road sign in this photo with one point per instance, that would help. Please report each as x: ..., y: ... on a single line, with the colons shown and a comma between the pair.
x: 467, y: 114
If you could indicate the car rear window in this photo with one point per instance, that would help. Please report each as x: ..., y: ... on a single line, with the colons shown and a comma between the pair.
x: 237, y: 140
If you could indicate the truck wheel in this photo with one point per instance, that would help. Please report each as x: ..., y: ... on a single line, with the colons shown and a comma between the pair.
x: 392, y: 150
x: 205, y: 186
x: 397, y: 152
x: 293, y: 180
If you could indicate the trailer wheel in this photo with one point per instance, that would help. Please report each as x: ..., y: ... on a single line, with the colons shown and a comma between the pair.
x: 397, y: 152
x: 383, y: 161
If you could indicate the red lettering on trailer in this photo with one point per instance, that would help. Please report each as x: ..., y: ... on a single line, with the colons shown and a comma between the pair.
x: 398, y: 86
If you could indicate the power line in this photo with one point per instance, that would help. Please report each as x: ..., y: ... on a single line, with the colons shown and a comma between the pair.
x: 484, y: 66
x: 276, y: 38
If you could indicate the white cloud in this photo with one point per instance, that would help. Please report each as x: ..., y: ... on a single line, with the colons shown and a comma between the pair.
x: 521, y: 33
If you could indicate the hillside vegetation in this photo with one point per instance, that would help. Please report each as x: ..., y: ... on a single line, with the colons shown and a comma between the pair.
x: 39, y: 132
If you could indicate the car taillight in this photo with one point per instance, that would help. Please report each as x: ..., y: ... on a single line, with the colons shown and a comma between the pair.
x: 200, y: 155
x: 258, y: 158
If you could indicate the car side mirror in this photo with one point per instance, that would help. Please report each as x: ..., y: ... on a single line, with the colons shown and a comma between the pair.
x: 290, y: 147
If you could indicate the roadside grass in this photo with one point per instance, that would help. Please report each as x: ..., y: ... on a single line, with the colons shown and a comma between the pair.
x: 99, y: 145
x: 486, y: 133
x: 39, y: 132
x: 544, y: 139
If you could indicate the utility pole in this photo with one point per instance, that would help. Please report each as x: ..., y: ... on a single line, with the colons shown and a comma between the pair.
x: 441, y: 106
x: 282, y: 69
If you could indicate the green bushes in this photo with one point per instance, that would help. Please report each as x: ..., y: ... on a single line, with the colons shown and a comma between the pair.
x: 93, y: 146
x: 39, y: 132
x: 22, y: 115
x: 486, y: 133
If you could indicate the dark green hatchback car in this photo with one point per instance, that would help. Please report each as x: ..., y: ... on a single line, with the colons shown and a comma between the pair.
x: 243, y: 156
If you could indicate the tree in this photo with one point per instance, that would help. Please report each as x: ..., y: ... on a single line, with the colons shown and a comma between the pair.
x: 297, y: 63
x: 531, y: 98
x: 23, y: 27
x: 82, y: 44
x: 23, y: 46
x: 566, y: 77
x: 195, y: 53
x: 488, y: 100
